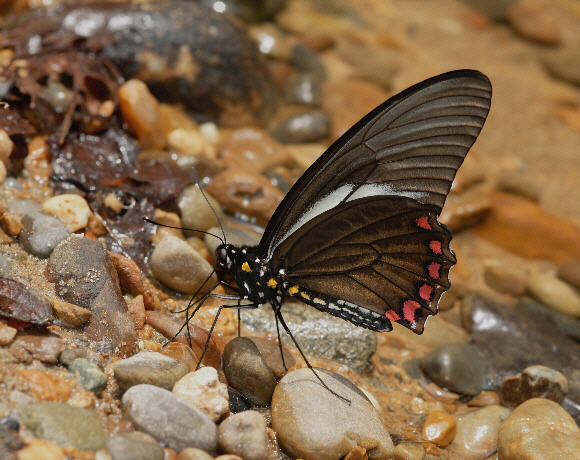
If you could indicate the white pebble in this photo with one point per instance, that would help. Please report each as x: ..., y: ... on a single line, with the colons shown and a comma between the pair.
x: 72, y: 210
x: 203, y: 389
x: 555, y: 293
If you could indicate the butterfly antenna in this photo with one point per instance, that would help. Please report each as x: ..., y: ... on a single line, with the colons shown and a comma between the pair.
x: 151, y: 221
x: 278, y: 313
x: 208, y: 203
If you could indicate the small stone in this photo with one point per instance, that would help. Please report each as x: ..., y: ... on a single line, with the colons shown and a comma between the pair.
x: 555, y: 293
x: 10, y: 224
x: 133, y: 446
x: 72, y: 210
x: 41, y: 234
x: 169, y: 418
x: 238, y: 403
x: 70, y: 354
x: 409, y: 451
x: 477, y: 432
x: 303, y: 89
x: 190, y: 142
x: 248, y: 372
x: 466, y: 209
x: 140, y: 111
x: 505, y: 280
x: 323, y: 426
x: 180, y: 352
x: 63, y: 424
x: 534, y: 382
x: 40, y: 448
x: 195, y: 212
x: 534, y: 22
x: 270, y: 351
x: 149, y: 368
x: 45, y: 386
x: 191, y: 453
x: 7, y: 334
x: 70, y: 313
x: 41, y: 344
x: 178, y: 266
x: 245, y: 435
x: 23, y: 207
x: 569, y: 271
x: 174, y: 117
x: 203, y: 389
x: 91, y: 377
x: 228, y: 457
x: 136, y: 308
x: 439, y: 428
x: 6, y: 147
x: 6, y: 267
x: 485, y: 398
x: 309, y: 126
x: 457, y: 367
x: 357, y: 453
x: 131, y: 279
x: 539, y: 429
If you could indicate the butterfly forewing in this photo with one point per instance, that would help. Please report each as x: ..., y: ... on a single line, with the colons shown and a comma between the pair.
x: 358, y: 232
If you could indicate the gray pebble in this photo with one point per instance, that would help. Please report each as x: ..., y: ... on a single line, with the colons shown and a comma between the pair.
x: 10, y: 182
x: 248, y: 372
x: 306, y: 60
x: 91, y: 377
x: 134, y: 446
x: 70, y: 354
x: 151, y: 368
x: 6, y: 267
x: 244, y: 434
x: 41, y: 234
x: 303, y: 89
x: 63, y: 424
x: 170, y: 419
x: 302, y: 127
x: 23, y: 207
x: 458, y: 367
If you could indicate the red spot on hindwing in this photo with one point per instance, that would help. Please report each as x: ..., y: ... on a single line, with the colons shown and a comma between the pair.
x: 392, y: 315
x: 426, y: 292
x: 435, y: 246
x: 423, y: 222
x: 409, y: 307
x: 434, y: 270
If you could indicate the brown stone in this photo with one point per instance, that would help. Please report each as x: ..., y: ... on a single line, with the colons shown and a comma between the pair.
x: 485, y: 398
x: 357, y: 453
x: 534, y: 22
x: 534, y: 382
x: 439, y: 428
x: 41, y: 344
x: 131, y: 279
x: 136, y: 308
x: 45, y: 386
x: 7, y: 334
x: 270, y: 350
x: 70, y: 313
x: 10, y: 224
x: 505, y: 280
x: 180, y: 352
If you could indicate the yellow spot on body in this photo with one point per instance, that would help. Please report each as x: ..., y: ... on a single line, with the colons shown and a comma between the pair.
x: 246, y: 267
x: 293, y: 290
x: 319, y: 301
x: 272, y: 283
x: 306, y: 296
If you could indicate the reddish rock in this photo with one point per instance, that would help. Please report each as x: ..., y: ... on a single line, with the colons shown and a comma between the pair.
x: 44, y: 386
x: 41, y: 344
x: 439, y: 428
x: 131, y: 279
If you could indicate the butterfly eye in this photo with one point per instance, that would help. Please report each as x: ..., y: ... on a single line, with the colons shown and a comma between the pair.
x: 222, y: 256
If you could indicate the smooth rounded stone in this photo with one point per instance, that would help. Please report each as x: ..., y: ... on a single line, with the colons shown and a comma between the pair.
x: 505, y: 280
x: 203, y: 389
x: 466, y: 209
x: 334, y: 339
x: 41, y: 234
x: 6, y: 267
x: 539, y: 429
x: 24, y: 304
x: 247, y: 371
x: 302, y: 127
x: 169, y: 418
x: 85, y: 275
x: 409, y: 451
x: 136, y: 308
x: 133, y: 446
x: 534, y: 382
x: 72, y: 210
x: 10, y: 224
x: 238, y: 402
x: 44, y: 386
x: 244, y: 434
x: 303, y: 89
x: 70, y: 313
x: 569, y: 271
x: 270, y: 351
x: 322, y: 426
x: 483, y: 399
x: 91, y: 377
x: 234, y: 235
x: 253, y: 149
x: 7, y: 334
x: 178, y: 266
x: 23, y: 207
x: 555, y: 293
x: 439, y: 428
x: 41, y: 344
x: 195, y: 212
x: 477, y: 432
x: 149, y: 368
x: 70, y: 354
x: 534, y: 22
x: 458, y: 367
x: 191, y: 453
x: 63, y: 424
x: 246, y: 193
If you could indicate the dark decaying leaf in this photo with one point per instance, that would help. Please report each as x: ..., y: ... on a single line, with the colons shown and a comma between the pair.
x: 21, y: 303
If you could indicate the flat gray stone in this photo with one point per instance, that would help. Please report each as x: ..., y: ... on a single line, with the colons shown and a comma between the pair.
x: 134, y: 446
x: 41, y: 233
x: 151, y: 368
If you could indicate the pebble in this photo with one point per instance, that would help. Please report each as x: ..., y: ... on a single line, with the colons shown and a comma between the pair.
x: 322, y: 426
x: 68, y: 355
x: 483, y: 399
x: 307, y: 61
x: 247, y: 371
x: 40, y: 449
x: 136, y: 308
x: 41, y: 344
x: 72, y: 210
x: 70, y: 313
x: 63, y: 424
x: 466, y: 209
x: 534, y: 22
x: 195, y: 212
x: 505, y: 280
x: 569, y: 271
x: 84, y: 275
x: 6, y: 267
x: 178, y: 266
x: 539, y: 429
x: 439, y: 427
x: 25, y: 206
x: 246, y: 193
x: 409, y: 451
x: 203, y: 389
x: 555, y: 293
x: 169, y: 418
x: 91, y: 377
x: 6, y: 147
x: 254, y: 150
x: 190, y: 142
x: 245, y: 435
x: 191, y: 453
x: 10, y: 224
x: 45, y: 386
x: 270, y: 351
x: 133, y: 446
x: 477, y: 432
x: 303, y: 89
x: 457, y: 367
x: 131, y: 279
x: 534, y: 382
x: 24, y: 304
x: 7, y: 334
x: 238, y: 403
x: 41, y: 234
x: 150, y: 368
x: 302, y: 127
x: 180, y: 352
x: 140, y: 110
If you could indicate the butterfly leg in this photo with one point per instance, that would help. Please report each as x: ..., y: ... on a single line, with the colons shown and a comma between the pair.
x: 280, y: 340
x: 278, y: 313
